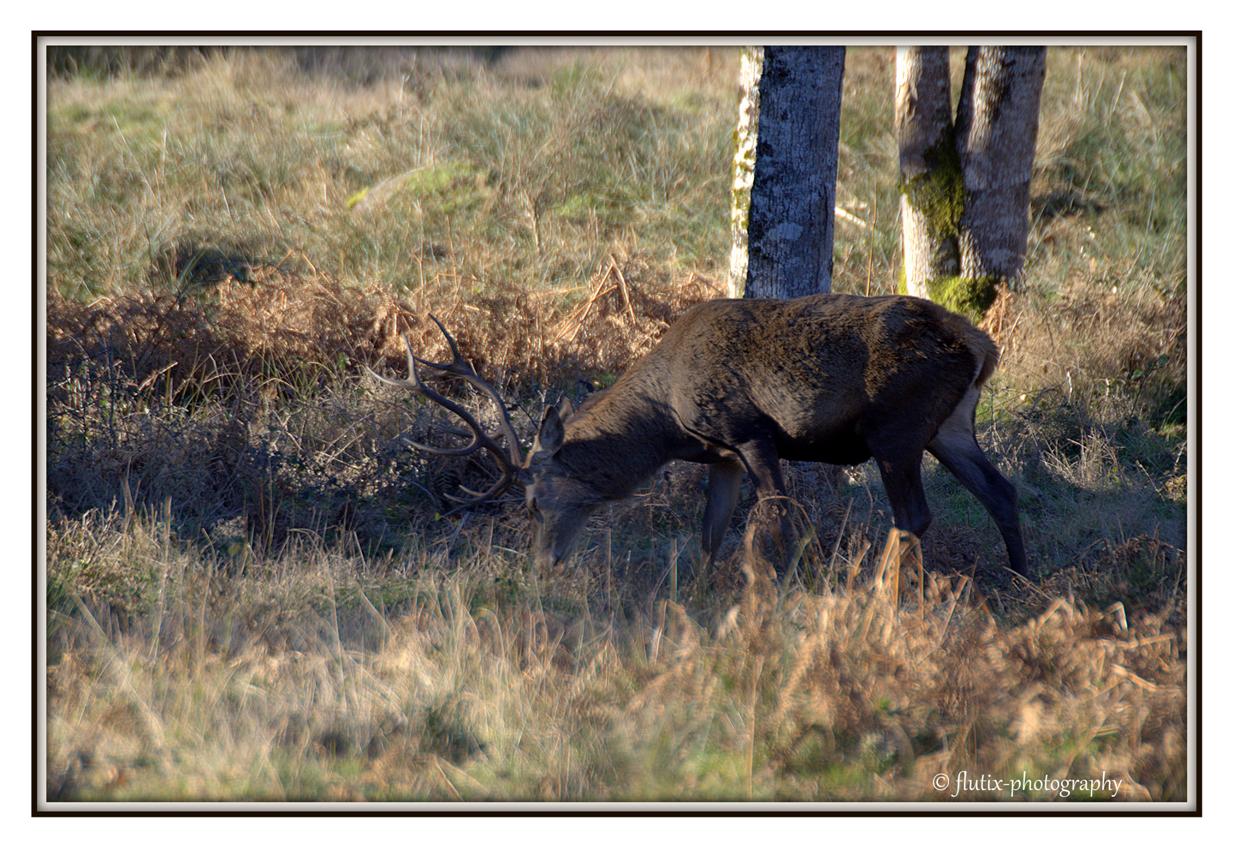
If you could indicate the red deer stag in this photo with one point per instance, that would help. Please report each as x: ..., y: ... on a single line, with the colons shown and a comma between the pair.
x: 741, y: 384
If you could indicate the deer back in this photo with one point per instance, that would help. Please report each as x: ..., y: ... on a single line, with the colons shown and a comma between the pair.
x: 819, y: 375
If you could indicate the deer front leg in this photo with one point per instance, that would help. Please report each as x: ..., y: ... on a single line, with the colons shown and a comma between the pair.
x: 901, y: 477
x: 723, y: 490
x: 762, y: 461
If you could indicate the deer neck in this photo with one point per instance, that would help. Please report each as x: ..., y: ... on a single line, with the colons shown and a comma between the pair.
x: 620, y: 440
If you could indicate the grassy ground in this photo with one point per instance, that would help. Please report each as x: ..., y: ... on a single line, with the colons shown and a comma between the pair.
x: 251, y: 591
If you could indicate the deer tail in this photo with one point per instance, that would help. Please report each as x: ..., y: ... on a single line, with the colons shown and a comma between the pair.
x: 986, y: 352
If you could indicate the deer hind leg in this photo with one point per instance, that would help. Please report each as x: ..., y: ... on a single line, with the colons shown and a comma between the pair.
x: 956, y: 448
x: 723, y: 490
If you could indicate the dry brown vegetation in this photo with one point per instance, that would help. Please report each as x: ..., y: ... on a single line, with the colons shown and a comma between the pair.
x: 281, y: 324
x: 252, y: 591
x: 297, y: 683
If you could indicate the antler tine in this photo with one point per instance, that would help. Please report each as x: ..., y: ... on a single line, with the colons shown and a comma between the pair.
x: 448, y: 339
x: 411, y: 358
x: 457, y: 365
x: 478, y: 437
x: 461, y: 368
x: 457, y: 451
x: 507, y: 462
x: 476, y: 496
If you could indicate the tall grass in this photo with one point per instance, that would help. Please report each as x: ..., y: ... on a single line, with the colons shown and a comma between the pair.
x: 317, y: 675
x: 253, y: 592
x: 524, y: 174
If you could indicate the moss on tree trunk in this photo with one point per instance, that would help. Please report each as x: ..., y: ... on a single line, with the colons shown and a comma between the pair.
x: 964, y: 186
x: 930, y: 179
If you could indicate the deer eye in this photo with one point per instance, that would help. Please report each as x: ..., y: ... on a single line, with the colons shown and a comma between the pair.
x: 534, y: 508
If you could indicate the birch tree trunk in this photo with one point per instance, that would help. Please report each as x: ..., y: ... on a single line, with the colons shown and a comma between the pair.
x: 930, y: 181
x: 784, y: 220
x: 995, y: 135
x: 743, y: 168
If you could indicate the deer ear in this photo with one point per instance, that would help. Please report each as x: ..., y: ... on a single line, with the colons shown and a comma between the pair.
x: 565, y: 409
x: 551, y: 431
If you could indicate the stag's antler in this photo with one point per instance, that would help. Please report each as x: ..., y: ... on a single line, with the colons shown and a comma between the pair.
x: 507, y: 460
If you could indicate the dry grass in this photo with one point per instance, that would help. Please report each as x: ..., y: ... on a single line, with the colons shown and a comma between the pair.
x: 252, y: 592
x: 535, y: 694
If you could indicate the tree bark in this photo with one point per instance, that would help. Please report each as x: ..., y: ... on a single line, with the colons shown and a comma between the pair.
x: 995, y: 135
x: 792, y: 109
x: 930, y: 182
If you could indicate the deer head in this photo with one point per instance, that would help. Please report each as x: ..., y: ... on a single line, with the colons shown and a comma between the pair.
x: 559, y: 502
x: 559, y: 499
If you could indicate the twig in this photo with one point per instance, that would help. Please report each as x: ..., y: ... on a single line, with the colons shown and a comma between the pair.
x: 844, y: 215
x: 629, y: 307
x: 869, y: 267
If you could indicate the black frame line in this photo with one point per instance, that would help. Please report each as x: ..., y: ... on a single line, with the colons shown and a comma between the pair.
x: 581, y: 809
